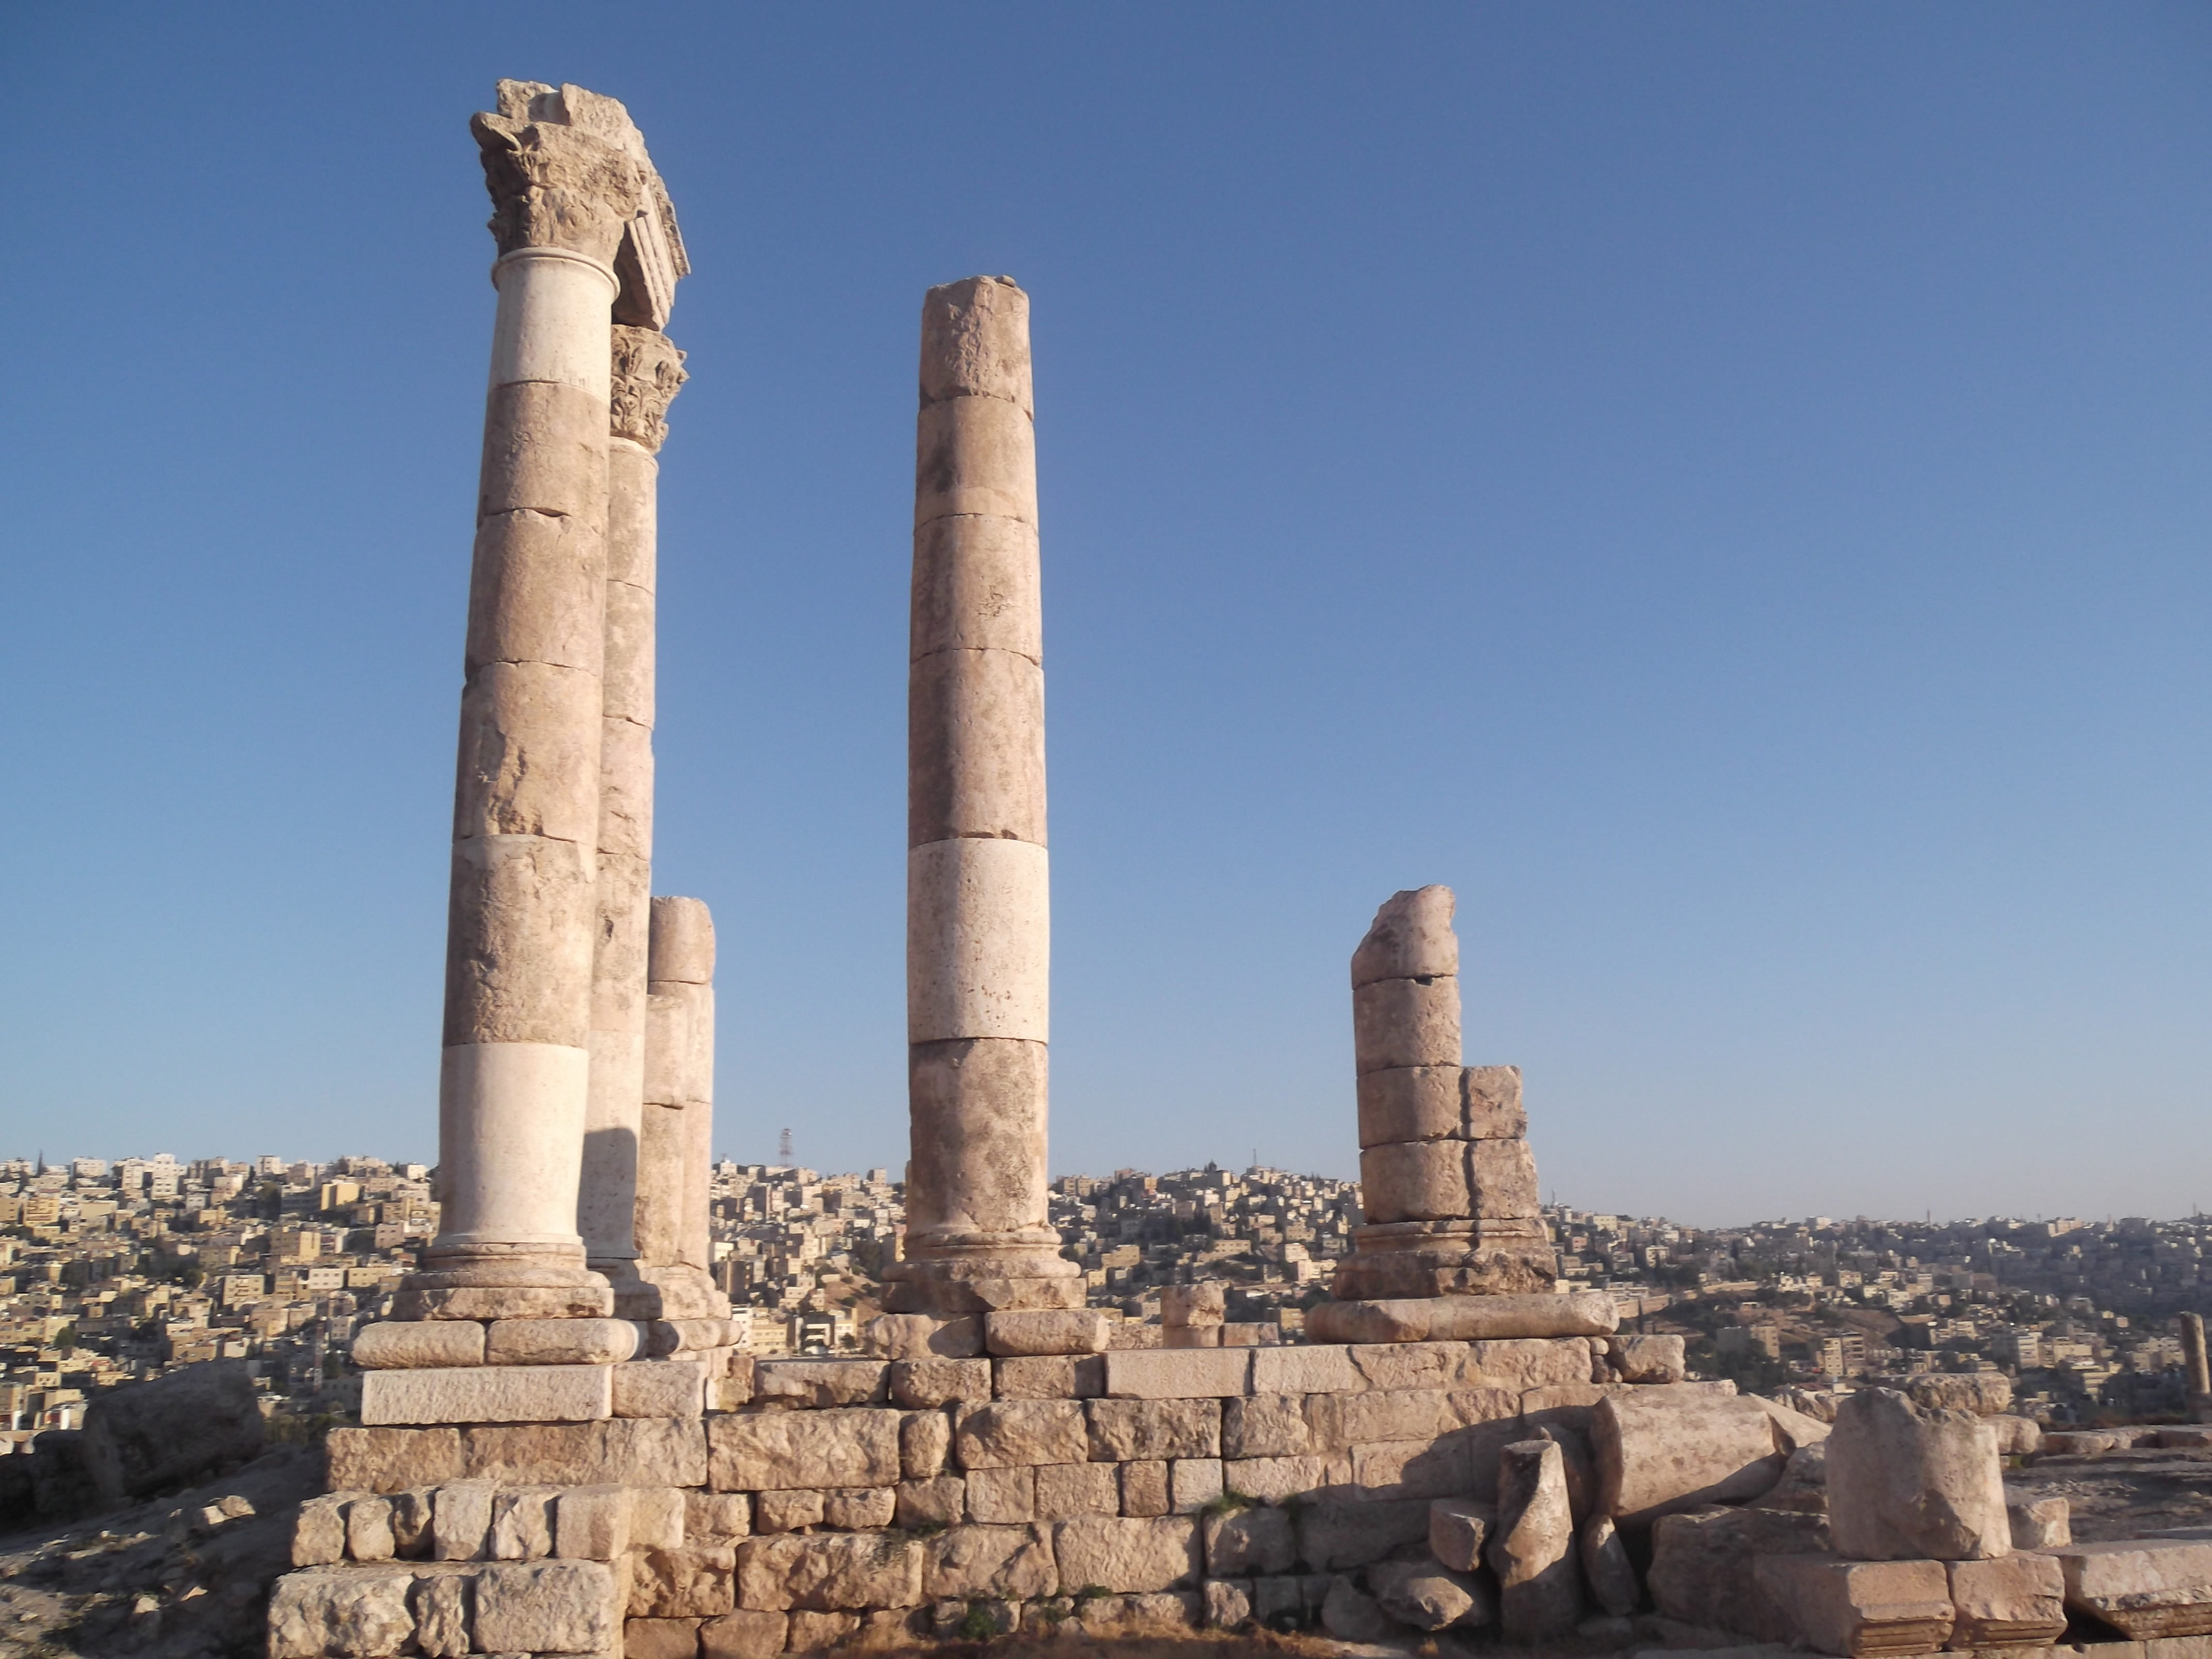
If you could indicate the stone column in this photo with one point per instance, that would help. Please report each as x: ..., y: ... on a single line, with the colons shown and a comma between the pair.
x: 2194, y: 1366
x: 574, y: 197
x: 675, y: 1143
x: 648, y: 372
x: 978, y: 915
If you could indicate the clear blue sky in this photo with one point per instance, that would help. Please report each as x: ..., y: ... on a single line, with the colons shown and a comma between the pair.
x: 1724, y: 487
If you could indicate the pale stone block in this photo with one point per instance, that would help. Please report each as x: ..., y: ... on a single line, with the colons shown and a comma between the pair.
x: 1067, y: 1489
x: 1421, y: 1413
x: 660, y: 1388
x: 1418, y: 1365
x: 534, y: 593
x: 1411, y: 1102
x: 534, y: 897
x: 975, y: 455
x: 978, y: 941
x: 925, y: 1443
x: 1414, y: 1181
x: 1194, y: 1483
x: 1533, y: 1550
x: 1658, y: 1454
x: 2016, y: 1602
x: 441, y: 1614
x: 682, y: 1584
x: 976, y: 747
x: 560, y: 1341
x: 787, y: 1511
x: 1427, y: 1319
x: 461, y: 1519
x: 1861, y: 1608
x: 975, y: 588
x: 1043, y: 1331
x: 1316, y: 1370
x: 1490, y: 1099
x: 529, y: 762
x: 1905, y: 1483
x: 522, y: 1524
x: 393, y: 1345
x: 1128, y: 1556
x: 980, y: 1563
x: 829, y: 1572
x: 1501, y: 1180
x: 1268, y: 1424
x: 657, y: 1517
x: 2039, y: 1523
x: 1701, y: 1572
x: 938, y: 1501
x: 744, y: 1634
x: 1129, y: 1430
x: 921, y: 1384
x: 817, y: 1383
x: 858, y: 1508
x: 550, y: 328
x: 977, y: 1116
x: 1406, y: 1022
x: 779, y: 1450
x: 627, y: 669
x: 1458, y: 1530
x: 1228, y: 1604
x: 1985, y: 1393
x: 488, y: 1393
x: 1419, y: 1468
x: 391, y: 1460
x: 715, y: 1517
x: 592, y: 1523
x: 1240, y: 1542
x: 1003, y: 1434
x: 358, y: 1611
x: 1648, y: 1358
x: 1279, y: 1480
x: 1178, y: 1374
x: 1048, y: 1376
x: 1411, y: 938
x: 975, y: 341
x: 1144, y: 1489
x: 319, y: 1535
x: 548, y: 1607
x: 1528, y: 1363
x: 2145, y: 1588
x: 1002, y: 1495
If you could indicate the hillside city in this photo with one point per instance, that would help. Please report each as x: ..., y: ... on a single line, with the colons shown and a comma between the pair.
x: 113, y: 1271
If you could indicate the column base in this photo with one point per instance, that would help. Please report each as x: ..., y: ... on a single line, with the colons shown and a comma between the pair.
x: 678, y: 1290
x: 1404, y: 1259
x: 479, y: 1280
x: 981, y: 1276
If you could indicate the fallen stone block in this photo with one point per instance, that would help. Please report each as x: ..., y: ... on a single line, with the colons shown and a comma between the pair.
x: 1228, y: 1603
x: 2143, y: 1588
x: 1905, y: 1483
x: 2014, y: 1601
x: 1532, y: 1548
x: 142, y: 1436
x: 1985, y: 1393
x: 1804, y: 1483
x: 1658, y: 1453
x: 1607, y: 1571
x: 1430, y: 1597
x: 1127, y: 1556
x: 1459, y: 1527
x: 2018, y: 1437
x: 1242, y: 1543
x: 1648, y: 1359
x: 1859, y: 1609
x: 1350, y: 1615
x: 2038, y: 1523
x: 758, y: 1451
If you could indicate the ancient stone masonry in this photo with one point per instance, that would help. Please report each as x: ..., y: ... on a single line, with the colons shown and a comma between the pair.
x: 978, y: 906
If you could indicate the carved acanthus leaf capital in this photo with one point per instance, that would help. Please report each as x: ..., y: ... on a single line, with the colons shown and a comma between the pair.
x: 648, y: 373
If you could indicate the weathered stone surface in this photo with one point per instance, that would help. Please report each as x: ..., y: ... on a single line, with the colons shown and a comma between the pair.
x: 560, y: 1341
x: 775, y: 1451
x: 1429, y: 1597
x: 787, y: 1511
x: 925, y: 1444
x: 547, y: 1606
x: 1501, y: 1180
x: 1125, y: 1555
x: 1411, y: 1102
x: 1121, y: 1430
x: 142, y: 1436
x: 716, y: 1517
x: 1194, y: 1484
x: 1533, y: 1550
x: 1240, y: 1542
x: 1177, y: 1373
x: 1660, y: 1454
x: 858, y: 1508
x: 1490, y: 1099
x: 940, y: 1501
x: 1985, y: 1393
x: 2143, y: 1588
x: 1414, y: 1181
x: 1170, y: 1613
x: 1415, y: 1365
x: 319, y: 1535
x: 2017, y: 1437
x: 924, y: 1382
x: 1792, y: 1429
x: 830, y: 1572
x: 819, y: 1384
x: 1647, y: 1358
x: 1411, y: 938
x: 1305, y: 1370
x: 661, y: 1638
x: 660, y: 1388
x: 401, y: 1345
x: 924, y: 1336
x: 1144, y: 1489
x: 1040, y: 1377
x: 1067, y: 1489
x: 522, y: 1524
x: 1228, y: 1604
x: 1406, y: 1022
x: 1007, y: 1433
x: 1352, y: 1616
x: 975, y: 1563
x: 1907, y: 1483
x: 461, y: 1520
x: 505, y: 1302
x: 1002, y: 1497
x: 693, y: 1583
x: 1278, y: 1480
x: 1045, y: 1331
x: 592, y: 1523
x: 745, y: 1634
x: 391, y: 1460
x: 1334, y: 1536
x: 442, y: 1604
x: 487, y: 1394
x: 1606, y: 1571
x: 1426, y: 1319
x: 819, y: 1632
x: 1422, y: 1414
x: 1860, y: 1607
x: 1701, y: 1570
x: 2017, y: 1600
x: 1804, y: 1483
x: 2039, y: 1523
x: 1267, y: 1425
x: 353, y: 1611
x: 1458, y: 1530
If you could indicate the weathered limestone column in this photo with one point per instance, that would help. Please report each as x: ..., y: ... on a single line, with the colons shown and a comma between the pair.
x: 676, y: 1139
x: 978, y: 910
x: 2195, y: 1366
x: 574, y: 197
x: 649, y: 370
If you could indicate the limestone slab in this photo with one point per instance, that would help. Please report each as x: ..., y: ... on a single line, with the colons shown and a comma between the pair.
x: 391, y: 1460
x: 1414, y: 1181
x: 1067, y: 1489
x: 430, y: 1344
x: 487, y: 1394
x: 1006, y: 1433
x: 340, y: 1610
x: 830, y: 1572
x: 660, y: 1388
x: 1411, y: 1102
x: 1177, y: 1374
x: 760, y: 1451
x: 2016, y: 1600
x: 2145, y: 1589
x: 1305, y: 1370
x: 1045, y: 1331
x: 560, y: 1341
x: 934, y: 1381
x: 1660, y: 1455
x: 1126, y: 1431
x: 1125, y: 1555
x: 1501, y: 1180
x: 972, y: 1563
x: 1863, y: 1607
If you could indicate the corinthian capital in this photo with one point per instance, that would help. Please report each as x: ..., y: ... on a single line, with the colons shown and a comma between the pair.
x: 648, y: 373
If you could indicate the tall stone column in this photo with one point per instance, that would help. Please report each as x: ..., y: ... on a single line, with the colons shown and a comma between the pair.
x: 978, y: 909
x: 649, y: 370
x: 584, y: 234
x: 2197, y: 1370
x: 677, y: 1131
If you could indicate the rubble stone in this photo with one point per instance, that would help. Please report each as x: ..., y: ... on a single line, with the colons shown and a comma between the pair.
x: 1660, y: 1454
x: 1429, y: 1597
x: 1910, y: 1484
x: 2143, y: 1588
x: 1533, y: 1549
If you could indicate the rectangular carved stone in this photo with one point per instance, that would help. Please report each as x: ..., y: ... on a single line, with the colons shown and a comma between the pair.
x: 1126, y: 1430
x: 1194, y: 1483
x: 660, y: 1388
x: 548, y: 1607
x: 1127, y: 1556
x: 713, y: 1518
x: 1316, y: 1370
x: 1067, y: 1489
x: 592, y: 1523
x: 1144, y: 1489
x: 391, y: 1460
x: 925, y: 1442
x: 1491, y: 1096
x: 1178, y: 1373
x: 1861, y: 1608
x: 1410, y: 1103
x: 1265, y: 1426
x: 1005, y: 1495
x: 1004, y: 1564
x: 2144, y: 1588
x: 487, y: 1394
x: 1008, y: 1432
x: 777, y: 1450
x: 1414, y: 1181
x: 823, y: 1383
x: 696, y: 1582
x: 405, y: 1345
x: 744, y: 1634
x: 1528, y: 1362
x: 1054, y: 1377
x: 1422, y: 1414
x: 462, y: 1519
x: 830, y: 1572
x: 1334, y: 1536
x: 919, y: 1383
x: 1501, y: 1180
x: 1278, y: 1479
x: 351, y: 1610
x: 560, y: 1341
x: 940, y: 1501
x: 858, y: 1508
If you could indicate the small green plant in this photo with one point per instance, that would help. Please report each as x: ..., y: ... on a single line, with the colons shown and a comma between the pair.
x: 925, y: 1529
x: 1230, y: 1502
x: 978, y: 1625
x: 1091, y: 1593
